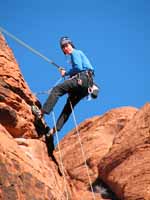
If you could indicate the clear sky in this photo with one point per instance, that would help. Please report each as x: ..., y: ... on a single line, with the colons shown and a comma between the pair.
x: 115, y: 35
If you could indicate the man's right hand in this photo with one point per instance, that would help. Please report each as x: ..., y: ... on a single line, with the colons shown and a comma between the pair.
x: 62, y: 72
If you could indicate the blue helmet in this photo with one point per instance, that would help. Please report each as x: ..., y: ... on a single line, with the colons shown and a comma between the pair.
x: 66, y: 40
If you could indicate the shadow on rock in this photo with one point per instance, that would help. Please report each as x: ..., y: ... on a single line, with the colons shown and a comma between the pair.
x: 50, y: 148
x: 103, y: 189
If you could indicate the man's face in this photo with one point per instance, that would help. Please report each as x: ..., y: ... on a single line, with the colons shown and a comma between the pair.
x: 67, y: 48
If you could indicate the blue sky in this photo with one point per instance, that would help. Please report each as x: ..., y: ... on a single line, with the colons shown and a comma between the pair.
x: 115, y: 35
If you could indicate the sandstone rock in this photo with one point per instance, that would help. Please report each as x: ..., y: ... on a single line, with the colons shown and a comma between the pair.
x: 126, y: 168
x: 96, y: 135
x: 27, y: 172
x: 15, y: 96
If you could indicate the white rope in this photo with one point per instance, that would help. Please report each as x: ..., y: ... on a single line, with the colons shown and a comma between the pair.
x: 83, y: 154
x: 27, y: 46
x: 48, y: 91
x: 60, y: 156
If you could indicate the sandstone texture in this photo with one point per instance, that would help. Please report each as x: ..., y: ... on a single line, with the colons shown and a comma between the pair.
x: 15, y: 96
x: 104, y: 157
x: 126, y: 168
x: 88, y: 145
x: 27, y: 172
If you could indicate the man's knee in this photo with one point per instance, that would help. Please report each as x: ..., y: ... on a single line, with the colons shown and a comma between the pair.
x: 55, y: 91
x: 58, y: 91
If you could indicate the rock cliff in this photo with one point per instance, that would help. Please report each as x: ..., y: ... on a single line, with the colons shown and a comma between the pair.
x: 108, y: 151
x: 126, y: 168
x: 15, y: 96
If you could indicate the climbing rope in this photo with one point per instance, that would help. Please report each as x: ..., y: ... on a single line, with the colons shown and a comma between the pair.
x: 47, y: 92
x: 60, y: 156
x: 29, y: 47
x: 83, y: 154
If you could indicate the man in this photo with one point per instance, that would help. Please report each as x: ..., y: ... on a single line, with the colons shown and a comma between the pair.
x: 80, y: 78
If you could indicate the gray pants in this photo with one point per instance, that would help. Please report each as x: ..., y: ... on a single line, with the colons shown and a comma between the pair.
x: 75, y: 90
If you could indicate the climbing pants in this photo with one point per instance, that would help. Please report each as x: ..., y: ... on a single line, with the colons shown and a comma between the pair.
x: 76, y: 88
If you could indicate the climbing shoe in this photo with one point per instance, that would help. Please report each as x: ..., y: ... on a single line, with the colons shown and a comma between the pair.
x: 36, y: 111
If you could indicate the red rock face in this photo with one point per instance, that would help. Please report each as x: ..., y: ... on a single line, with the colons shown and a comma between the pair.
x: 15, y: 96
x: 96, y: 135
x: 27, y: 172
x: 126, y: 168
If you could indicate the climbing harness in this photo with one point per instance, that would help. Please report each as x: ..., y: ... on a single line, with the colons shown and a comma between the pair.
x: 73, y: 114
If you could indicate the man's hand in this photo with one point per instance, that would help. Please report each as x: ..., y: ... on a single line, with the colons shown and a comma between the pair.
x: 63, y: 72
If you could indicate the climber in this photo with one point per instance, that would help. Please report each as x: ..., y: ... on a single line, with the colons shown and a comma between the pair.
x: 76, y: 86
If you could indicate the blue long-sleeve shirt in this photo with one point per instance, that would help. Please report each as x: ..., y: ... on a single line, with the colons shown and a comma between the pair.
x: 79, y: 63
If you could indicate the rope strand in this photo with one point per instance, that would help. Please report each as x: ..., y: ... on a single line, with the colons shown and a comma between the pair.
x: 60, y: 156
x: 29, y: 47
x: 83, y: 154
x: 48, y: 91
